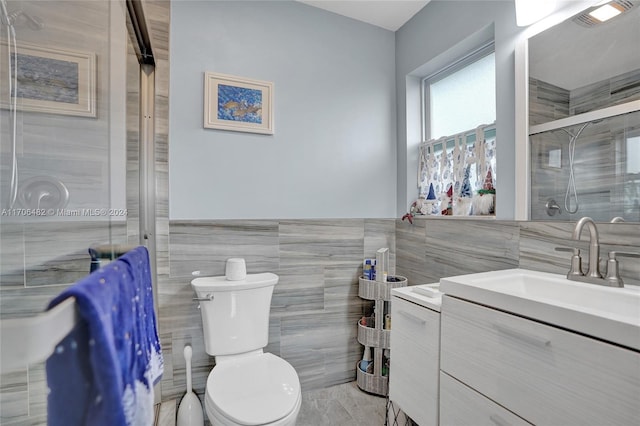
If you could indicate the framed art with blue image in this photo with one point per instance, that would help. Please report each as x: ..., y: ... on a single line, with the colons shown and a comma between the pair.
x: 52, y: 81
x: 238, y: 104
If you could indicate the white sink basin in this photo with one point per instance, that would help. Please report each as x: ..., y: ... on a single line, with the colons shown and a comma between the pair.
x: 607, y: 313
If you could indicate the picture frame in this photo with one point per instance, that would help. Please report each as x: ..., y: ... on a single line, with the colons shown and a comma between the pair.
x: 238, y: 104
x: 54, y: 81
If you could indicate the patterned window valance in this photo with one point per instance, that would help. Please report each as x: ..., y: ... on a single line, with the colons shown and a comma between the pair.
x: 455, y: 173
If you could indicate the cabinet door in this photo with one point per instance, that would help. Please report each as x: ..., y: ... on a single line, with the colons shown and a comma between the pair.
x: 544, y: 374
x: 462, y: 406
x: 415, y: 346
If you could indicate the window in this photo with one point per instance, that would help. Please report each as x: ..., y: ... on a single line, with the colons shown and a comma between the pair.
x: 457, y: 159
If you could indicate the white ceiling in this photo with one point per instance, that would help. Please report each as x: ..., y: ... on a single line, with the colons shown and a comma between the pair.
x: 571, y: 56
x: 387, y: 14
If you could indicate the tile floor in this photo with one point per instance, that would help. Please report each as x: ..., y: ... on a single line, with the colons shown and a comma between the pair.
x: 343, y: 405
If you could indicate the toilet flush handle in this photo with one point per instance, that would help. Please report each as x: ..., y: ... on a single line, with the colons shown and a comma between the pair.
x: 207, y: 298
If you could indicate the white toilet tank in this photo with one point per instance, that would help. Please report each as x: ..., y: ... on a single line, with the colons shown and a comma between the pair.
x: 236, y: 320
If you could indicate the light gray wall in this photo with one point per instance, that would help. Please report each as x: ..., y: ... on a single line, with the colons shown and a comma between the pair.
x: 433, y: 37
x: 333, y: 154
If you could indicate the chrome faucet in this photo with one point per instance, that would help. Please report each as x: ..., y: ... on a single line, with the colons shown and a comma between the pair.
x: 593, y: 271
x: 593, y: 274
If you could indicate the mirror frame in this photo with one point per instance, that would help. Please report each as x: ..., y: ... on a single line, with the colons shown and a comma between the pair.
x: 522, y: 149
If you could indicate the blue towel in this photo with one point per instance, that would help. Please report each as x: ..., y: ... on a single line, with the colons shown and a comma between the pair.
x: 103, y: 372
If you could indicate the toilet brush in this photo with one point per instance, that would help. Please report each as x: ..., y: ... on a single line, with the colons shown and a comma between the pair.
x: 190, y: 410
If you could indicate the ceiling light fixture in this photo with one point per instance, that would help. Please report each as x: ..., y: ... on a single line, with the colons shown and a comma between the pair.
x: 531, y: 11
x: 606, y: 12
x: 593, y: 16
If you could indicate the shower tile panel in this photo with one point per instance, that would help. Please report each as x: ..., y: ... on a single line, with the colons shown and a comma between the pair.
x: 46, y: 265
x: 86, y: 180
x: 606, y: 93
x: 591, y: 97
x: 11, y: 253
x: 599, y: 167
x: 26, y: 301
x: 76, y: 150
x: 546, y: 102
x: 32, y: 255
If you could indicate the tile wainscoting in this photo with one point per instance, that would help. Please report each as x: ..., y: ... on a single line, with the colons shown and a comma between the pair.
x: 315, y: 304
x: 434, y: 248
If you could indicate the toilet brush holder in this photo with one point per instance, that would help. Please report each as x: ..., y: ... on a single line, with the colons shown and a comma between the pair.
x: 190, y: 410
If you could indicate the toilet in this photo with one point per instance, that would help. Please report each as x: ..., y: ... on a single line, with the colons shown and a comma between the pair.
x: 247, y: 386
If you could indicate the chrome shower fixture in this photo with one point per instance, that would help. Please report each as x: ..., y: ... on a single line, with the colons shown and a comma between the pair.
x: 32, y: 21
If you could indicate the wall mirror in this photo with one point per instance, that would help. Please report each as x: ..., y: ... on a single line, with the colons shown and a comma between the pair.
x: 584, y: 117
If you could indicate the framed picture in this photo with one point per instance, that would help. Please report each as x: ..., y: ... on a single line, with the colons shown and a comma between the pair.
x: 238, y: 104
x: 54, y: 81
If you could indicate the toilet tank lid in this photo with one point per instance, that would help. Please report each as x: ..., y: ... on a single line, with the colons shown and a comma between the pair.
x: 205, y: 284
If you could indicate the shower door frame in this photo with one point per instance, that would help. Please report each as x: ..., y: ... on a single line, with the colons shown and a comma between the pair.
x: 137, y: 28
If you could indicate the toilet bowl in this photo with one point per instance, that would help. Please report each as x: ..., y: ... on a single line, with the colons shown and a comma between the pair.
x: 260, y: 389
x: 247, y: 387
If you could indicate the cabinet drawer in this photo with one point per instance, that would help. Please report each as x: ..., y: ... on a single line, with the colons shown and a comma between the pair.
x: 415, y: 350
x: 420, y: 324
x: 462, y: 406
x: 544, y: 374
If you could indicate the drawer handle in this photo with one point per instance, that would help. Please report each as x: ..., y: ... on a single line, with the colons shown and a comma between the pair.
x: 529, y: 338
x: 497, y: 420
x: 412, y: 317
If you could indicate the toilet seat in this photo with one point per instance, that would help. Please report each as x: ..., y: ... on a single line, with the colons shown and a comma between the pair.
x: 254, y: 390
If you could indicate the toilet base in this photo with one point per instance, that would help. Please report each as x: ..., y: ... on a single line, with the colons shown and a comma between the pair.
x: 218, y: 419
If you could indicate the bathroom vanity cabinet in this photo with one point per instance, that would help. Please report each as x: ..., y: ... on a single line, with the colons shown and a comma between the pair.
x: 415, y: 345
x: 501, y: 368
x: 376, y: 337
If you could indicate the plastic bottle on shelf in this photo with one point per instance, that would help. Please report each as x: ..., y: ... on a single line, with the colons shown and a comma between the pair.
x: 366, y: 359
x: 369, y: 269
x: 385, y: 362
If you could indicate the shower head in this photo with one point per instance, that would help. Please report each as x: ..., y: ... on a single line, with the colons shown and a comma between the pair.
x: 32, y: 21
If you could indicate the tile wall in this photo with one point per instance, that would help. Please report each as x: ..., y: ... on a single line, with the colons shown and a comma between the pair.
x: 434, y: 248
x: 600, y: 160
x: 38, y: 259
x: 315, y: 305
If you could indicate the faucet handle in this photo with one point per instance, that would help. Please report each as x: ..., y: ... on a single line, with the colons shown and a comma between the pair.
x: 613, y: 254
x: 613, y: 275
x: 568, y: 249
